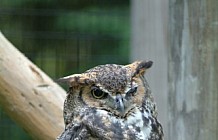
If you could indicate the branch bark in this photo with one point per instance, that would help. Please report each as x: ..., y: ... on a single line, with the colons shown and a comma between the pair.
x: 28, y: 95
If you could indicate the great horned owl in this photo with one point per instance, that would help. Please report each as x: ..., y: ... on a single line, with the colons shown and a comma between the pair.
x: 111, y: 102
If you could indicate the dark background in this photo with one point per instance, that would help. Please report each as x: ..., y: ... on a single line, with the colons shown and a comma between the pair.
x: 65, y: 37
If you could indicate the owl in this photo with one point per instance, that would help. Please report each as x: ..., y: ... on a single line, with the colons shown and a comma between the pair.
x: 110, y: 102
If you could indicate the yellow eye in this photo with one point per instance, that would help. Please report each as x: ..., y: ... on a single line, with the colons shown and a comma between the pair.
x: 97, y: 93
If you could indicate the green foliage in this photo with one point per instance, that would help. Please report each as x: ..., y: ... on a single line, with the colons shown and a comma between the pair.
x: 95, y: 21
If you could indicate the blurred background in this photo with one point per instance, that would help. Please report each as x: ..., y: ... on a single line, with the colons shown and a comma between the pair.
x: 65, y: 37
x: 180, y: 36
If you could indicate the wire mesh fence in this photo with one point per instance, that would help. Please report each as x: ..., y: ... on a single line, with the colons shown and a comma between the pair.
x: 65, y: 38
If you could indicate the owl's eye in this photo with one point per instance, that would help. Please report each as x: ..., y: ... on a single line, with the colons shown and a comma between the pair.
x: 133, y: 90
x: 97, y: 93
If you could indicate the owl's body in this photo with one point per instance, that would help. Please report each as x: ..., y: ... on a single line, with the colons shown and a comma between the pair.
x: 111, y: 102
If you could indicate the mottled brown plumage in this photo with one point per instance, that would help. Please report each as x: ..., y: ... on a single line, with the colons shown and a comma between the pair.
x: 111, y: 102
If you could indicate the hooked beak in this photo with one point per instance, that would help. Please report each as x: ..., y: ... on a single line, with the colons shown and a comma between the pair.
x: 119, y: 104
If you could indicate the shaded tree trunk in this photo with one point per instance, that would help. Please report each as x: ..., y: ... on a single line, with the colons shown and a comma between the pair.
x: 193, y: 67
x: 28, y: 95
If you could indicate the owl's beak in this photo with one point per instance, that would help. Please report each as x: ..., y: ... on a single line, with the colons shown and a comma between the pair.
x: 119, y: 104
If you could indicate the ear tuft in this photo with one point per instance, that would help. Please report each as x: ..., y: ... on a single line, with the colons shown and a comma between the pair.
x: 139, y: 67
x: 76, y: 80
x: 144, y: 65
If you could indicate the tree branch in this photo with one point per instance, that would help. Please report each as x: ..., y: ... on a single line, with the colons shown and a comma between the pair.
x: 28, y: 95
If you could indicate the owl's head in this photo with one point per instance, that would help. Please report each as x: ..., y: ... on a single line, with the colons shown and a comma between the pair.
x: 117, y: 89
